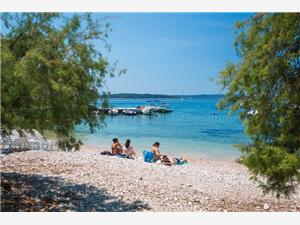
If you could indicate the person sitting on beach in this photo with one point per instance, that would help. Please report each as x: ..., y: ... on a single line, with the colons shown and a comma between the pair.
x: 167, y: 160
x: 157, y: 155
x: 116, y: 147
x: 155, y: 150
x: 128, y: 150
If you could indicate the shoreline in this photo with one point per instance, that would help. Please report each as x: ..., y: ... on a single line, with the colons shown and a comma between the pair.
x: 88, y: 181
x: 191, y: 157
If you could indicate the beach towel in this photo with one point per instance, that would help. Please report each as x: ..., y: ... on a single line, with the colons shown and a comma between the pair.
x: 122, y: 156
x: 180, y: 161
x: 106, y: 153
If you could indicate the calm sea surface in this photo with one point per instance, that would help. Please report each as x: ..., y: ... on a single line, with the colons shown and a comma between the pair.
x: 194, y: 128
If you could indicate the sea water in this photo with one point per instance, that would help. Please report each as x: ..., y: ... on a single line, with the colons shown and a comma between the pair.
x: 195, y: 128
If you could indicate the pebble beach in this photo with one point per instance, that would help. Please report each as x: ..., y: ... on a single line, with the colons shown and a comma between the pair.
x: 88, y: 181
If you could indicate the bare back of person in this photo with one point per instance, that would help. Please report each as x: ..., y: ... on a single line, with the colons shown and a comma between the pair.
x: 128, y: 150
x: 116, y: 147
x: 155, y: 150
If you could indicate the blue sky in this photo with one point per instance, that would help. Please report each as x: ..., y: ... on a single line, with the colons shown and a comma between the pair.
x: 171, y: 53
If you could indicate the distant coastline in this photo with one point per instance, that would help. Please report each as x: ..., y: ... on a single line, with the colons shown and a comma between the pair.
x: 157, y: 96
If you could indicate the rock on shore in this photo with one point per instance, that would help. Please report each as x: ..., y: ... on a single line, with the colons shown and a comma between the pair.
x: 84, y: 181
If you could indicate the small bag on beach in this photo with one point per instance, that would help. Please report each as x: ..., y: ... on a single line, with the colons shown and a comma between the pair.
x: 148, y: 156
x: 106, y: 153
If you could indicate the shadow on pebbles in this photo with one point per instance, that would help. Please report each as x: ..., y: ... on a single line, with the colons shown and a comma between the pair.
x: 23, y: 192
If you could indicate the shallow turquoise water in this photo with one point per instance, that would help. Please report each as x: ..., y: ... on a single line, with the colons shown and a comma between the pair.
x: 195, y: 128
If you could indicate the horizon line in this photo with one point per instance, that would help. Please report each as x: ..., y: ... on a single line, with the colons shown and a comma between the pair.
x: 161, y: 94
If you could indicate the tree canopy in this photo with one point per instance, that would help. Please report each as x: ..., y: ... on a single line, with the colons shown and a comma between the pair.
x: 266, y: 80
x: 52, y: 72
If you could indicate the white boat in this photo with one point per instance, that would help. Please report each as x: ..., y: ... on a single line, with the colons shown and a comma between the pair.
x: 146, y: 111
x: 129, y: 112
x: 160, y: 109
x: 164, y: 110
x: 113, y: 112
x: 153, y: 108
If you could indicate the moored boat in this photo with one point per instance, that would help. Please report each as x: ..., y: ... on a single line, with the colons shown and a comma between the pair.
x: 129, y: 112
x: 164, y: 110
x: 113, y: 112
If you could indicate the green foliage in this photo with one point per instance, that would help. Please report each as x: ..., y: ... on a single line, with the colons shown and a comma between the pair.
x: 105, y: 100
x: 51, y: 71
x: 267, y: 79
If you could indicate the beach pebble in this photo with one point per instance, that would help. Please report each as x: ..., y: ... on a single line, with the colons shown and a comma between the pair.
x: 83, y: 181
x: 266, y: 206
